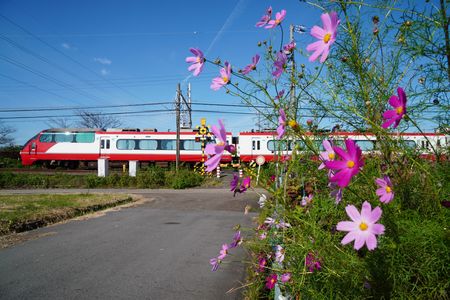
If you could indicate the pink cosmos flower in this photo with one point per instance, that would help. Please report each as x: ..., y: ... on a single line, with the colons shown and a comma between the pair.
x: 306, y: 200
x: 215, y: 262
x: 279, y: 17
x: 326, y: 36
x: 281, y: 124
x: 312, y: 263
x: 350, y: 164
x: 271, y: 280
x: 223, y: 79
x: 263, y: 235
x: 237, y: 240
x: 279, y: 95
x: 245, y: 184
x: 363, y: 227
x: 385, y: 191
x: 399, y: 104
x: 262, y: 263
x: 289, y: 48
x: 251, y: 66
x: 216, y: 150
x: 279, y: 254
x: 234, y: 182
x: 265, y: 18
x: 285, y: 277
x: 336, y: 192
x: 328, y: 154
x: 197, y: 61
x: 278, y: 224
x: 223, y: 252
x: 279, y: 64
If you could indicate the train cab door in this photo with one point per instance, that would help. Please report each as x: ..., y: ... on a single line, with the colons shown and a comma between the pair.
x: 105, y: 145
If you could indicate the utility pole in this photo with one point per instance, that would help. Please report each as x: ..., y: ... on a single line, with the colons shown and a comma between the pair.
x: 177, y: 109
x: 189, y: 105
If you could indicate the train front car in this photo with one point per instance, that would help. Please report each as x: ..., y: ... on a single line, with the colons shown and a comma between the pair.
x: 61, y: 147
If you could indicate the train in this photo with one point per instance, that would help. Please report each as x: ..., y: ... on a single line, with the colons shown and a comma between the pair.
x: 72, y: 147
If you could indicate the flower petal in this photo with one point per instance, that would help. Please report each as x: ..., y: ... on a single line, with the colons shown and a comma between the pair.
x: 347, y: 226
x: 326, y: 20
x: 353, y: 213
x: 318, y: 33
x: 371, y: 242
x: 377, y: 229
x: 213, y: 162
x: 349, y: 237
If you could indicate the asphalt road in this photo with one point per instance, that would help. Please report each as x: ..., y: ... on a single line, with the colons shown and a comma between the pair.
x: 159, y: 249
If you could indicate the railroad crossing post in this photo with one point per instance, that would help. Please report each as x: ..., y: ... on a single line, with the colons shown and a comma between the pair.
x: 103, y: 167
x: 132, y: 168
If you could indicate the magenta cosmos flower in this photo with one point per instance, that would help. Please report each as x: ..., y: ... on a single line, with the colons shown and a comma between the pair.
x: 279, y: 17
x: 245, y: 184
x: 265, y: 18
x: 326, y: 36
x: 279, y: 95
x: 197, y: 61
x: 223, y: 252
x: 237, y: 240
x: 216, y: 150
x: 285, y: 277
x: 363, y: 227
x: 350, y: 164
x: 223, y: 79
x: 328, y: 154
x: 289, y: 48
x: 385, y: 191
x: 279, y: 64
x: 234, y: 182
x: 281, y: 124
x: 251, y: 66
x: 271, y: 280
x: 399, y: 104
x: 215, y: 262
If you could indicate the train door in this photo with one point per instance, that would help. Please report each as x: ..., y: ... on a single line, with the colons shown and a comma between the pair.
x: 105, y: 145
x: 256, y: 146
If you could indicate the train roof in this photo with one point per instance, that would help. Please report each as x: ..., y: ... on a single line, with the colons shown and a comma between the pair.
x: 73, y: 130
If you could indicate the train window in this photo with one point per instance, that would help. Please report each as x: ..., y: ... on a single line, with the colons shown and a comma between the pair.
x: 63, y: 137
x: 148, y: 144
x: 365, y: 145
x: 168, y: 145
x: 258, y: 145
x: 102, y: 144
x: 253, y: 145
x: 124, y: 144
x: 276, y: 145
x: 46, y: 138
x: 84, y: 137
x: 191, y: 145
x: 107, y: 144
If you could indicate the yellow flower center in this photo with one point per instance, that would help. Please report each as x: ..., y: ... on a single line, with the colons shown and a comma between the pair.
x: 225, y: 79
x: 388, y: 189
x: 220, y: 143
x: 292, y: 123
x: 199, y: 59
x: 327, y: 37
x: 350, y: 164
x: 277, y: 21
x: 331, y: 156
x: 363, y: 226
x: 399, y: 110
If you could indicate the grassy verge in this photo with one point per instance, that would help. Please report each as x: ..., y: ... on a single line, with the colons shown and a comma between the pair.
x: 25, y: 212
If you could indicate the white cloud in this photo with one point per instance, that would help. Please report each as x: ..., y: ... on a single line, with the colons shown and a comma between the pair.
x: 65, y: 46
x: 104, y: 72
x: 103, y: 60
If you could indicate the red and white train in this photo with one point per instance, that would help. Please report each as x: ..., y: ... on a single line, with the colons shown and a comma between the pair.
x: 69, y: 147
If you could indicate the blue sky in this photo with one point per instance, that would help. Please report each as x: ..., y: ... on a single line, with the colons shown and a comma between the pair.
x: 128, y: 52
x: 125, y: 52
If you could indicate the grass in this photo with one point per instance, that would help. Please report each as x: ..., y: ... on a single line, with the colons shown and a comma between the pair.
x: 25, y: 212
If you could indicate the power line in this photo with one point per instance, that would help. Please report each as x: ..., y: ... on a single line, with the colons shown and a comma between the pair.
x: 65, y: 55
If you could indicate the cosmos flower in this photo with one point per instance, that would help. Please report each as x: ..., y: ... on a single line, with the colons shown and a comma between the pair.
x: 285, y: 277
x: 363, y: 227
x: 234, y: 182
x: 215, y: 262
x: 237, y: 240
x: 216, y: 150
x: 251, y: 66
x: 328, y: 154
x: 245, y: 184
x: 279, y: 95
x: 223, y: 252
x: 279, y: 254
x: 399, y: 104
x: 385, y: 191
x: 350, y: 164
x: 196, y: 61
x: 262, y: 200
x: 262, y: 263
x: 336, y: 192
x: 278, y: 224
x: 289, y: 48
x: 312, y: 263
x: 279, y: 64
x: 281, y: 124
x: 265, y: 18
x: 326, y: 36
x: 306, y: 200
x: 271, y: 280
x: 223, y: 79
x: 279, y: 17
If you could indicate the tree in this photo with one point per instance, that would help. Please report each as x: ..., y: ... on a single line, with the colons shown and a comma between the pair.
x: 5, y: 132
x: 97, y: 120
x: 59, y: 123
